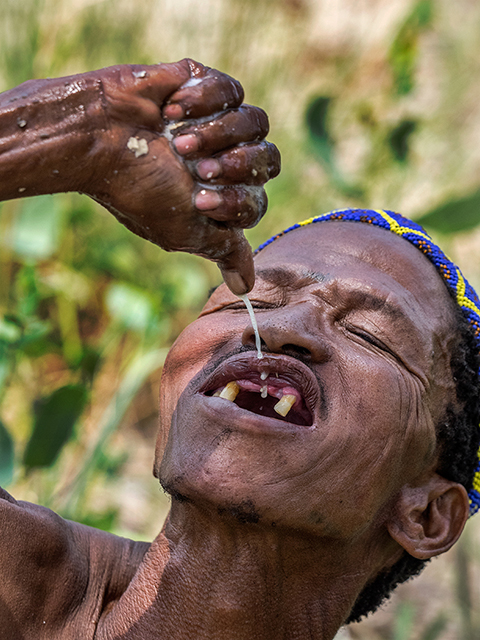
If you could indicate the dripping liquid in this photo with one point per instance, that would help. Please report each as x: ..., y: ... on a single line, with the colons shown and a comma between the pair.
x: 258, y: 343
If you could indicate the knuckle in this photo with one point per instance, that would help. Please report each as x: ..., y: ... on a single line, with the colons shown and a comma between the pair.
x: 195, y: 68
x: 232, y: 90
x: 261, y: 121
x: 274, y: 160
x: 237, y: 92
x: 254, y: 207
x: 256, y: 120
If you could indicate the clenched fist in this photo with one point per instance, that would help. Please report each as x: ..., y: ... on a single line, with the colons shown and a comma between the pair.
x: 169, y: 149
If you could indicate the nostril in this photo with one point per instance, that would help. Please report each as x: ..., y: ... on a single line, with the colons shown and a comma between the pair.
x: 296, y: 349
x: 248, y: 338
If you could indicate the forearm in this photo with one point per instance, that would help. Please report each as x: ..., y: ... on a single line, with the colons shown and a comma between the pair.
x: 47, y: 135
x: 102, y: 133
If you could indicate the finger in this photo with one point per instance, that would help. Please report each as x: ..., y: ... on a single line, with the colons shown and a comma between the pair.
x: 158, y: 81
x: 137, y: 92
x: 206, y: 92
x: 237, y: 266
x: 240, y: 207
x: 252, y: 164
x: 246, y: 124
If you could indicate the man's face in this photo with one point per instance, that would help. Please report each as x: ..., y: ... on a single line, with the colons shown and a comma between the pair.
x: 356, y: 324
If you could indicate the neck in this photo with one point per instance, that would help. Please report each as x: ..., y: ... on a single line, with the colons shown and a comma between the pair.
x: 208, y: 578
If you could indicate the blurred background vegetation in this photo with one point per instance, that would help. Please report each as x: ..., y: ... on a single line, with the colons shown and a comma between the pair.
x: 372, y: 103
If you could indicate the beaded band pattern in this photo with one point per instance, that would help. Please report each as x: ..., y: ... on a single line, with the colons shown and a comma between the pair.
x: 464, y: 294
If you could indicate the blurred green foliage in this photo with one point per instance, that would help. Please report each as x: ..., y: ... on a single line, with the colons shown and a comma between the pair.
x: 87, y: 311
x: 323, y: 144
x: 6, y: 456
x: 55, y: 417
x: 404, y: 50
x: 399, y: 139
x: 459, y: 214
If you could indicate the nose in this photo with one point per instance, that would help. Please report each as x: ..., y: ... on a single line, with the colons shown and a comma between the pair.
x: 292, y: 331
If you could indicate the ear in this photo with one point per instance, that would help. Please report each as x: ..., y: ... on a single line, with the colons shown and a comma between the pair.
x: 428, y: 519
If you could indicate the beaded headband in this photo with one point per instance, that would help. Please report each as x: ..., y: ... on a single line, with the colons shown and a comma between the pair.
x: 463, y: 293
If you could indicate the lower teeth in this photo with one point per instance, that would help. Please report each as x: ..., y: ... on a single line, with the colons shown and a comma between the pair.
x: 284, y: 405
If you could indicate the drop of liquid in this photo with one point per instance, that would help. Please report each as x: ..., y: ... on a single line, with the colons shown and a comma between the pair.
x: 251, y: 313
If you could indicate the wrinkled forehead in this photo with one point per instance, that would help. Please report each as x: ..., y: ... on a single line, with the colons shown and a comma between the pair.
x: 366, y: 253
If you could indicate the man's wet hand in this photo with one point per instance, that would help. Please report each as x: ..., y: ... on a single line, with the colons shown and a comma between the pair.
x: 182, y: 161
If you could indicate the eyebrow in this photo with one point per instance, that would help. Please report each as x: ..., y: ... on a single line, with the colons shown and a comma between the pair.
x: 289, y: 277
x: 368, y: 301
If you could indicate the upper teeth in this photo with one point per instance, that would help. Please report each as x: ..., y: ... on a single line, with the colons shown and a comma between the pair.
x: 231, y: 390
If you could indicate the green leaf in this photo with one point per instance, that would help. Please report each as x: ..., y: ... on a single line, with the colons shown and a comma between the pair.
x: 404, y: 50
x: 37, y: 229
x: 129, y: 306
x: 89, y: 363
x: 5, y: 368
x: 10, y: 332
x: 26, y: 290
x: 35, y: 341
x: 55, y: 417
x: 104, y: 521
x: 323, y: 145
x: 435, y: 629
x: 399, y: 139
x: 454, y: 216
x: 403, y: 624
x: 316, y: 119
x: 6, y: 456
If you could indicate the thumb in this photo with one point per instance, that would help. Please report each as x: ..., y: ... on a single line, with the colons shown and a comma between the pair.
x: 237, y: 266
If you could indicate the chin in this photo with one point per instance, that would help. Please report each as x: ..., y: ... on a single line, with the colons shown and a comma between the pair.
x: 242, y: 510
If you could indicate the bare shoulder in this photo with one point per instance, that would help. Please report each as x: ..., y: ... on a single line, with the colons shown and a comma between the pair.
x: 56, y: 574
x: 29, y: 533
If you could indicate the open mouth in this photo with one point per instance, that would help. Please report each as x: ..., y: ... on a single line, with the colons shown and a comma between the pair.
x: 265, y: 393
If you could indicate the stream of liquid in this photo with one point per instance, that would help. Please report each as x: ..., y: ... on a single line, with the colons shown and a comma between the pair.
x: 253, y: 320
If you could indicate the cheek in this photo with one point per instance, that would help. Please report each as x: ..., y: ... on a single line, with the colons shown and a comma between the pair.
x: 387, y: 432
x: 192, y: 351
x: 189, y: 353
x: 183, y: 362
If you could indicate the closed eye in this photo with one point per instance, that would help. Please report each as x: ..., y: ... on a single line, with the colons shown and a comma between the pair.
x: 368, y: 337
x: 256, y: 304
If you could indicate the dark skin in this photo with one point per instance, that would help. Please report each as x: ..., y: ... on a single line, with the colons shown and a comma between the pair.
x: 276, y: 524
x: 170, y: 150
x: 175, y: 155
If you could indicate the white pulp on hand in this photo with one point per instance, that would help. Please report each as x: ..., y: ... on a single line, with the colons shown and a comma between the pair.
x: 251, y: 313
x: 192, y: 82
x: 139, y: 146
